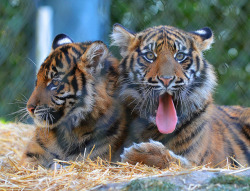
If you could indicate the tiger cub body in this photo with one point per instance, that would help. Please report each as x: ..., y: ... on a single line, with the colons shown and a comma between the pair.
x: 74, y: 105
x: 168, y: 86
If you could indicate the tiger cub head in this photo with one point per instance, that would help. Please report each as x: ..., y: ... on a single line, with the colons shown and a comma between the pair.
x: 65, y: 86
x: 164, y: 70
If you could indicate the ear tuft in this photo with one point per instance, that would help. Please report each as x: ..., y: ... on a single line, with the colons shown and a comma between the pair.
x: 60, y: 40
x: 203, y: 37
x: 94, y: 56
x: 122, y: 38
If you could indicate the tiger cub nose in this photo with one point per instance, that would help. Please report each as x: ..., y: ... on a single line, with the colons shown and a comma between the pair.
x: 165, y: 80
x: 31, y: 108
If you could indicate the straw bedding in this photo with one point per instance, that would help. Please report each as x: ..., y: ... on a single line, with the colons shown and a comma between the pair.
x: 76, y: 176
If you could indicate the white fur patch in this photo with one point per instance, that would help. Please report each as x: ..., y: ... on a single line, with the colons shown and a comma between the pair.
x: 159, y: 144
x: 182, y: 159
x: 126, y: 150
x: 64, y: 41
x: 59, y: 102
x: 65, y: 95
x: 78, y: 93
x: 201, y: 32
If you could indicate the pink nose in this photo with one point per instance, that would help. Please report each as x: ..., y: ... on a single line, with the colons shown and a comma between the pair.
x: 165, y: 80
x: 31, y: 108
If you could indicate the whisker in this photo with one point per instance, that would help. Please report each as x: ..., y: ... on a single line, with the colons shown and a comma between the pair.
x: 32, y: 61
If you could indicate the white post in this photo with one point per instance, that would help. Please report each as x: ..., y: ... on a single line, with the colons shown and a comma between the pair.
x: 44, y: 31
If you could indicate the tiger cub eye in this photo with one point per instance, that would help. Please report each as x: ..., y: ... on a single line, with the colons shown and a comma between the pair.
x: 55, y: 82
x: 150, y: 56
x: 180, y: 56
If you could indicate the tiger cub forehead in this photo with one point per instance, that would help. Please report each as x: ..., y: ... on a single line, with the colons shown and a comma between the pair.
x: 62, y: 60
x: 159, y: 37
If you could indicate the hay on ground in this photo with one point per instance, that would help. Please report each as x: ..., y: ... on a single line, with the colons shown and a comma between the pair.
x: 76, y: 176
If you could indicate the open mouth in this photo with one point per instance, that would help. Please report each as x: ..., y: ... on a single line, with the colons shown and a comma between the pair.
x: 166, y: 117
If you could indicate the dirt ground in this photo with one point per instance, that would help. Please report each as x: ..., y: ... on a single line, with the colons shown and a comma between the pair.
x: 103, y: 175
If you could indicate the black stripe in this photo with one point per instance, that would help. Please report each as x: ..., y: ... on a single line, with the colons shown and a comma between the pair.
x: 230, y: 151
x: 244, y: 131
x: 199, y: 80
x: 76, y: 51
x: 240, y: 143
x: 174, y: 36
x: 84, y: 89
x: 54, y: 69
x: 151, y: 36
x: 149, y: 33
x: 204, y: 156
x: 45, y: 148
x: 131, y: 63
x: 59, y: 61
x: 61, y: 87
x: 139, y: 63
x: 124, y: 63
x: 74, y: 84
x: 226, y: 113
x: 32, y: 155
x: 187, y: 66
x: 195, y: 132
x: 71, y: 73
x: 55, y: 102
x: 68, y: 60
x: 67, y: 97
x: 236, y: 138
x: 160, y: 38
x: 194, y: 146
x: 83, y: 47
x: 180, y: 37
x: 198, y: 63
x: 61, y: 140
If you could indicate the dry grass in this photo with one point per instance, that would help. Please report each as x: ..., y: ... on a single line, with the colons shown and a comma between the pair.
x: 77, y: 176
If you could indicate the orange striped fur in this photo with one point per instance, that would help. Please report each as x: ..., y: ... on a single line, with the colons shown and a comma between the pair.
x: 74, y: 105
x: 162, y: 61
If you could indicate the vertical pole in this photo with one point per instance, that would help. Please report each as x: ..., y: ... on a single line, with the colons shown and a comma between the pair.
x: 44, y: 30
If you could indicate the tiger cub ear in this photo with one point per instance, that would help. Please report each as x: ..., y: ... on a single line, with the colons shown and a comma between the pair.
x: 122, y: 38
x: 204, y: 38
x: 60, y: 40
x: 93, y: 58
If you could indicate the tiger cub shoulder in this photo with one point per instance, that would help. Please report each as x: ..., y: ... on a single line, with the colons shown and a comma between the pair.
x: 74, y: 105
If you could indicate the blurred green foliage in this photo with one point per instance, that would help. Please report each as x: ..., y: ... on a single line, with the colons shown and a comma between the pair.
x: 16, y: 70
x: 230, y: 21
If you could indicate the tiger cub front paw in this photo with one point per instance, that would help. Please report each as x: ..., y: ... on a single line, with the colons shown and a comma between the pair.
x: 152, y: 153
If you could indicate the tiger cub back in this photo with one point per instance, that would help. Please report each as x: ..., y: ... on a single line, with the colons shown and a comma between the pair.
x: 74, y: 105
x: 169, y: 85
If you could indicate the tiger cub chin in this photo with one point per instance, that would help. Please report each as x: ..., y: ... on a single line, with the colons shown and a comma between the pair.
x: 169, y: 84
x: 74, y: 105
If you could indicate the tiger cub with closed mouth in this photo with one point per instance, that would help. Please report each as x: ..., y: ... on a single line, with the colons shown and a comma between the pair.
x: 74, y: 105
x: 166, y: 81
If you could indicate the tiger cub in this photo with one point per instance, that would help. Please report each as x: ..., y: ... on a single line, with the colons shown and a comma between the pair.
x: 169, y: 84
x: 74, y: 105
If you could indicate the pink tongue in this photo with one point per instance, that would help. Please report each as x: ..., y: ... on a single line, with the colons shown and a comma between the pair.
x: 166, y: 117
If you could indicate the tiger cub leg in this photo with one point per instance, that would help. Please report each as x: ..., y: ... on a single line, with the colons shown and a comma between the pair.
x: 152, y: 153
x: 42, y: 149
